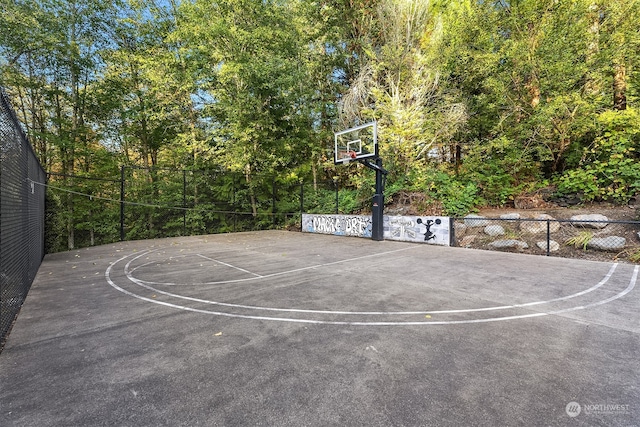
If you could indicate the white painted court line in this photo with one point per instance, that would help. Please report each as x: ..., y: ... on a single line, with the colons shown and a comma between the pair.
x: 229, y: 265
x: 280, y: 273
x: 628, y: 289
x: 364, y: 313
x: 171, y: 258
x: 333, y: 312
x: 128, y: 269
x: 145, y: 284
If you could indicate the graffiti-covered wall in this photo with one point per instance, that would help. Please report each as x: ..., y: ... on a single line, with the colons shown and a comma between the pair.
x: 420, y: 229
x: 339, y: 225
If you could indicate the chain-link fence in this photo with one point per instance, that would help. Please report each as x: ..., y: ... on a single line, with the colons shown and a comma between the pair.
x: 145, y: 203
x: 22, y: 204
x: 591, y: 237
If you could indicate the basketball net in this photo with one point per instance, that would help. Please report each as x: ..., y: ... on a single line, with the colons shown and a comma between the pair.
x: 349, y: 156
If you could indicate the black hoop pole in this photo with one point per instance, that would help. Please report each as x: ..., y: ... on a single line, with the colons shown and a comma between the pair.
x: 377, y: 204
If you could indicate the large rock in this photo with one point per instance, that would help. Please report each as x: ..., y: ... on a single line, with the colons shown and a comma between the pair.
x: 494, y: 230
x: 540, y: 225
x: 460, y: 228
x: 467, y: 241
x: 585, y: 220
x: 508, y: 244
x: 513, y: 215
x: 476, y: 221
x: 566, y: 201
x: 553, y: 245
x: 609, y: 243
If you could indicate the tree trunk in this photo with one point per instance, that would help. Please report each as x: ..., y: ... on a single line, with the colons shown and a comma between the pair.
x: 252, y: 196
x: 620, y: 87
x: 591, y: 86
x: 92, y: 234
x: 314, y: 172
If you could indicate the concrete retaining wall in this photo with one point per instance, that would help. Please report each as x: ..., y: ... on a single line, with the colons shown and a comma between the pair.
x: 419, y: 229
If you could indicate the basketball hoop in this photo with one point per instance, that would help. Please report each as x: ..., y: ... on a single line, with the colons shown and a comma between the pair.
x: 356, y: 143
x: 360, y: 143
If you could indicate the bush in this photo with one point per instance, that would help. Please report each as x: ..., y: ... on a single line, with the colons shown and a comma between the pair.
x: 458, y: 197
x: 499, y: 169
x: 609, y: 169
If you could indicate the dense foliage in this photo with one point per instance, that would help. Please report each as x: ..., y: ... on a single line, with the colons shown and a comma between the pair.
x: 477, y: 102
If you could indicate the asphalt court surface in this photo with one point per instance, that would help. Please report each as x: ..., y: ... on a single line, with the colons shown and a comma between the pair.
x: 284, y: 328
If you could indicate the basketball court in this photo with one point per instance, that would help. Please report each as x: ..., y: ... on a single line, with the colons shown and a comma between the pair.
x: 281, y: 328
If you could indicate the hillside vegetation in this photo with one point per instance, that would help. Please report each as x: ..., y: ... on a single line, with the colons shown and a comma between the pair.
x: 478, y: 103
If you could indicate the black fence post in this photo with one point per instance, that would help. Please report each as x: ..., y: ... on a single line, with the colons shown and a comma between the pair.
x: 184, y: 202
x: 548, y: 237
x: 233, y: 205
x: 273, y: 202
x: 44, y: 215
x: 301, y: 198
x: 122, y: 203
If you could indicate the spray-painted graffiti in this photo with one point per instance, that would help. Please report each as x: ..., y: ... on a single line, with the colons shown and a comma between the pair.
x: 428, y: 235
x: 399, y: 227
x: 324, y: 224
x: 340, y: 225
x: 418, y: 229
x: 430, y: 230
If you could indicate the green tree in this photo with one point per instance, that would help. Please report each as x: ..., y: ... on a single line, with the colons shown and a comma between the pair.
x: 399, y: 85
x: 251, y: 68
x: 609, y: 168
x: 531, y: 73
x: 52, y: 60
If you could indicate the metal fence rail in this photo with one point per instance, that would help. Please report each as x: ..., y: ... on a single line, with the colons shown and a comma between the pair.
x: 21, y: 216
